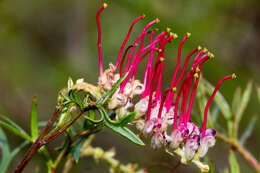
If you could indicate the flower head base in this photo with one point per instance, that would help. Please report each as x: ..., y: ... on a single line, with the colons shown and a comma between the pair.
x: 156, y: 110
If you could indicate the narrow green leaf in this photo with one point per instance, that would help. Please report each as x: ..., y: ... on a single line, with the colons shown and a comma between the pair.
x: 5, y: 151
x: 34, y: 120
x: 125, y: 132
x: 214, y: 114
x: 74, y: 97
x: 220, y: 101
x: 225, y: 170
x: 18, y: 149
x: 234, y: 166
x: 112, y: 91
x: 258, y: 93
x: 211, y: 168
x: 244, y: 102
x: 248, y: 130
x: 76, y: 150
x: 14, y: 128
x: 91, y: 117
x: 236, y: 100
x: 127, y: 119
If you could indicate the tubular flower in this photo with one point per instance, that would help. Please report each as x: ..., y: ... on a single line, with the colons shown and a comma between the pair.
x: 158, y: 111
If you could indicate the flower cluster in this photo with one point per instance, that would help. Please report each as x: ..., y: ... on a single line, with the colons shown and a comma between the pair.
x: 157, y: 110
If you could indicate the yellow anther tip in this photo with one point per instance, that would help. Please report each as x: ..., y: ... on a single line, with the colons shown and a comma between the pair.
x: 175, y: 36
x: 199, y: 48
x: 197, y: 70
x: 174, y: 89
x: 143, y: 15
x: 105, y: 5
x: 212, y: 55
x: 188, y: 34
x: 196, y: 75
x: 234, y: 76
x: 205, y: 50
x: 157, y: 20
x: 162, y: 59
x: 168, y: 29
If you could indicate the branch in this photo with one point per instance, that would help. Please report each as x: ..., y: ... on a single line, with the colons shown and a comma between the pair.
x: 244, y: 152
x: 37, y: 144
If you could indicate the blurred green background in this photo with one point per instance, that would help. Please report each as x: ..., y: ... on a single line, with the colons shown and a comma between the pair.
x: 43, y: 42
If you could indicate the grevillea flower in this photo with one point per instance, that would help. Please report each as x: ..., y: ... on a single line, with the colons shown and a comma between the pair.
x: 156, y: 110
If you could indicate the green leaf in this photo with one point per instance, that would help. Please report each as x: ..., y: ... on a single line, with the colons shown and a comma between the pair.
x: 74, y: 97
x: 202, y: 101
x: 125, y: 132
x: 248, y: 130
x: 225, y: 170
x: 258, y: 93
x: 211, y: 168
x: 236, y: 100
x: 244, y: 102
x: 5, y: 151
x: 91, y: 117
x: 128, y: 118
x: 14, y: 128
x: 220, y: 101
x: 18, y: 149
x: 214, y: 114
x: 76, y: 150
x: 112, y: 91
x: 234, y: 166
x: 34, y: 120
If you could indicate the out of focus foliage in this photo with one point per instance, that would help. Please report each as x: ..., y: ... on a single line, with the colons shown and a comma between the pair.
x: 44, y: 42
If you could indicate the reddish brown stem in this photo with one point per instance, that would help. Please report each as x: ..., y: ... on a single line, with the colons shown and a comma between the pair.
x: 244, y: 152
x: 37, y: 144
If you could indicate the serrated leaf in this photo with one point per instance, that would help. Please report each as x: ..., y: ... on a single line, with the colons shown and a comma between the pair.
x: 236, y: 100
x: 220, y: 101
x: 248, y: 130
x: 244, y: 102
x: 125, y: 132
x: 234, y: 166
x: 14, y: 128
x: 5, y: 151
x: 112, y: 91
x: 34, y: 120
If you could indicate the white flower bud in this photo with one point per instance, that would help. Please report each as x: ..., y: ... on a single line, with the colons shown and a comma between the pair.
x: 157, y: 141
x: 141, y: 107
x: 191, y: 147
x: 177, y: 138
x: 148, y: 127
x: 206, y: 142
